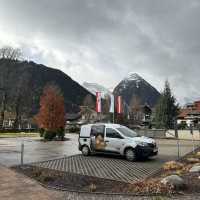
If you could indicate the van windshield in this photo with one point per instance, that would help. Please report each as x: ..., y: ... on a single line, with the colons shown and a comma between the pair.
x: 127, y: 132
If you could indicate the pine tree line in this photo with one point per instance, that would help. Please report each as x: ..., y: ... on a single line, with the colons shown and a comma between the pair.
x: 167, y: 109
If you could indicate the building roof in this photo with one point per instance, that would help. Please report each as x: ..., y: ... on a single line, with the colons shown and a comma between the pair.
x: 190, y: 110
x: 184, y: 112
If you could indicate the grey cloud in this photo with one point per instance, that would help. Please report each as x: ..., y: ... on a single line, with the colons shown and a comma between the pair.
x: 109, y: 38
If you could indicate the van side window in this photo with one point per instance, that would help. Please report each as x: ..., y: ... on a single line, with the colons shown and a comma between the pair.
x: 111, y: 133
x: 98, y: 130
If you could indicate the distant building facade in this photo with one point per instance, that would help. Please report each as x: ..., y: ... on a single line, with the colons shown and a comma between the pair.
x: 9, y: 122
x: 141, y: 115
x: 190, y: 114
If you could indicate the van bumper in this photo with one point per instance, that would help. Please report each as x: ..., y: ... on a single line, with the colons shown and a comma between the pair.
x: 146, y: 151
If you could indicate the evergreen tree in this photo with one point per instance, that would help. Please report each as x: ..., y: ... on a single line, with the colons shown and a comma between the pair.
x: 166, y: 109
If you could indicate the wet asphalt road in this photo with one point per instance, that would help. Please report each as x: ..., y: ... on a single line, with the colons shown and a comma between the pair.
x: 36, y: 150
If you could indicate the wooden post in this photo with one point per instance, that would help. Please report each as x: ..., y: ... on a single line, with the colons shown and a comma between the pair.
x: 191, y: 131
x: 176, y: 136
x: 22, y: 153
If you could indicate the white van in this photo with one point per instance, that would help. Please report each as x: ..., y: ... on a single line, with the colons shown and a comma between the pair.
x: 115, y: 138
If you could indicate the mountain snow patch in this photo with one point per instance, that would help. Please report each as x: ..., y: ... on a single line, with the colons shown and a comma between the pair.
x: 95, y: 87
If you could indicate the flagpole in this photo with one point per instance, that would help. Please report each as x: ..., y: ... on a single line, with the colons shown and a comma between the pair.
x: 112, y: 108
x: 98, y: 105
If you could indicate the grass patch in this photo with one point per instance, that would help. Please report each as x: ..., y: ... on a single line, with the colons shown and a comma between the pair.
x: 20, y: 134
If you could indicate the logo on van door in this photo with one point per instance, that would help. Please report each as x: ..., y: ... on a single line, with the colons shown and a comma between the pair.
x: 100, y: 143
x: 97, y: 137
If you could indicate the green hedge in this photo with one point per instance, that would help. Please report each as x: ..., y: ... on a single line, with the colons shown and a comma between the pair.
x: 73, y: 129
x: 51, y: 135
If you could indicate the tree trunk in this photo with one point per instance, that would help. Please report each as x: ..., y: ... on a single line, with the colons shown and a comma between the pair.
x: 3, y: 106
x: 17, y: 114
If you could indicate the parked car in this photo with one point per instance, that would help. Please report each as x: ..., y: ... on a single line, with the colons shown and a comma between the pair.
x: 115, y: 138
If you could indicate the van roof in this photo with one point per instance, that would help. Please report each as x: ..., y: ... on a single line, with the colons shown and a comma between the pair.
x: 105, y: 124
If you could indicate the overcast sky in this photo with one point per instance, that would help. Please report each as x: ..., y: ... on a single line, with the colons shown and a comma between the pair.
x: 103, y: 40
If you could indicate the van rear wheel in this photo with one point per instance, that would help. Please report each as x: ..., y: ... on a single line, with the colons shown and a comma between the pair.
x: 130, y: 154
x: 85, y: 151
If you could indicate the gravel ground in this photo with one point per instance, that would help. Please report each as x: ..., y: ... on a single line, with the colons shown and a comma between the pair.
x: 14, y: 186
x: 82, y: 196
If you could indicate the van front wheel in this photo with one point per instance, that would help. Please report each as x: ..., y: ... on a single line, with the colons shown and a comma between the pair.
x: 130, y: 154
x: 85, y: 150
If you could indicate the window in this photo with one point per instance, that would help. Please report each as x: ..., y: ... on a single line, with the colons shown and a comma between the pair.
x: 98, y: 130
x: 127, y: 132
x: 111, y: 133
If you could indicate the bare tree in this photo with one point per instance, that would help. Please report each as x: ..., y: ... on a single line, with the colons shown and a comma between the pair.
x: 135, y: 109
x: 3, y: 106
x: 11, y: 53
x: 89, y: 101
x: 88, y: 106
x: 8, y: 53
x: 22, y: 100
x: 106, y: 104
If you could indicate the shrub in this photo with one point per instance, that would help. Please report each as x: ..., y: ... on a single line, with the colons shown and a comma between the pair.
x: 41, y: 131
x: 182, y: 125
x: 61, y: 133
x: 73, y: 129
x: 192, y: 160
x: 173, y: 165
x: 49, y: 135
x: 151, y: 186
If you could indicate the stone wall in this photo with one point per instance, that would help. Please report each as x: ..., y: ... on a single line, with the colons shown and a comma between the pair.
x: 154, y: 133
x: 184, y: 134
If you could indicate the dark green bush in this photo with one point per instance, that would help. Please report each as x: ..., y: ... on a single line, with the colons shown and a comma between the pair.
x: 182, y: 125
x: 73, y: 129
x: 61, y: 133
x: 49, y: 135
x: 41, y: 131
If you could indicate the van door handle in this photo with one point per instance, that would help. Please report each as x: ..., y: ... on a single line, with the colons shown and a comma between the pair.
x: 106, y: 141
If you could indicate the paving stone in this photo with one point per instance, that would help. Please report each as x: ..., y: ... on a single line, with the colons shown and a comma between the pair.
x: 14, y: 186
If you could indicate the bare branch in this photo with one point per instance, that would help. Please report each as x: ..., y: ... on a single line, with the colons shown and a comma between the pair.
x: 11, y: 53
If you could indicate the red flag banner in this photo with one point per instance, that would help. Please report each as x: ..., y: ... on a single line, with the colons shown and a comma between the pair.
x: 98, y: 102
x: 119, y: 104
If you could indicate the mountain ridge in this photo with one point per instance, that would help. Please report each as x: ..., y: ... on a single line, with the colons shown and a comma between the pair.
x: 32, y: 77
x: 133, y: 85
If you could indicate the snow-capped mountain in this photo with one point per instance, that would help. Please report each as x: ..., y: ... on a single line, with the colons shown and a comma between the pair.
x: 132, y: 77
x: 95, y: 87
x: 134, y: 85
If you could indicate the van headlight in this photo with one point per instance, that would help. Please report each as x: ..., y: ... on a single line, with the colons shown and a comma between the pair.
x: 143, y: 144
